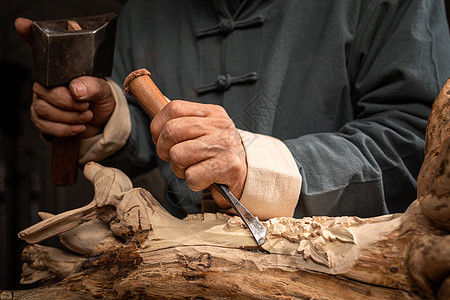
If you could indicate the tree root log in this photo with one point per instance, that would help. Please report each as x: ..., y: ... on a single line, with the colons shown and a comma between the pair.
x: 127, y: 246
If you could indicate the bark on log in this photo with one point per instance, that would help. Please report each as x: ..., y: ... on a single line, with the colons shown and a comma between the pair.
x: 140, y: 251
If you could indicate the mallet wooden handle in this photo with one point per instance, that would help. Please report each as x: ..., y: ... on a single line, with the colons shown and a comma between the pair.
x: 64, y: 162
x: 141, y: 86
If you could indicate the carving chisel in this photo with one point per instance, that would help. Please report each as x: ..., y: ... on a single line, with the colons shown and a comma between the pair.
x: 141, y: 86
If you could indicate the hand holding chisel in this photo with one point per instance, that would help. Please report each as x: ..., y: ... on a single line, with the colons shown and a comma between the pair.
x: 140, y: 85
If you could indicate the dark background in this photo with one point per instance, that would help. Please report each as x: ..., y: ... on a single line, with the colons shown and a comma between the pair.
x: 25, y: 186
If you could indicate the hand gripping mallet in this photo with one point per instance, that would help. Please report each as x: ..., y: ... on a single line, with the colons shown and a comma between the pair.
x: 65, y: 49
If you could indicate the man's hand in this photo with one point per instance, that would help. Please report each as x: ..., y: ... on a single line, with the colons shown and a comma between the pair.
x: 203, y: 146
x: 83, y: 108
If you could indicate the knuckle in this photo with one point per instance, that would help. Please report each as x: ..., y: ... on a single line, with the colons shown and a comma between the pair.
x: 62, y: 97
x: 228, y: 123
x: 103, y: 91
x: 40, y: 127
x: 217, y: 167
x: 35, y: 87
x: 153, y: 128
x: 170, y: 130
x: 220, y: 109
x: 226, y: 127
x: 232, y: 136
x: 174, y: 108
x: 192, y: 181
x: 32, y: 107
x: 93, y: 86
x: 72, y: 118
x: 179, y: 172
x: 162, y: 152
x: 215, y: 148
x: 216, y: 108
x: 40, y: 107
x: 58, y: 132
x: 175, y: 155
x: 34, y: 119
x: 234, y: 166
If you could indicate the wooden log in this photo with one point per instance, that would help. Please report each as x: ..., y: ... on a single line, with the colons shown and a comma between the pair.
x: 150, y: 254
x: 437, y: 134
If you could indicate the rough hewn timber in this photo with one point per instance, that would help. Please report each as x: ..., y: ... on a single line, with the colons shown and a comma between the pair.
x: 140, y: 251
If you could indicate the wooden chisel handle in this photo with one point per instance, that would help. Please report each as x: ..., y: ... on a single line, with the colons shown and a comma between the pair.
x: 64, y: 161
x: 141, y: 86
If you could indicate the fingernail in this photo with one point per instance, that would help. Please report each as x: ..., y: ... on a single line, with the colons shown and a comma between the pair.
x: 79, y: 89
x: 86, y: 116
x: 78, y: 128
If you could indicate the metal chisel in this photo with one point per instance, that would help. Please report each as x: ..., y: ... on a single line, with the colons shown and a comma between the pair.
x: 254, y: 225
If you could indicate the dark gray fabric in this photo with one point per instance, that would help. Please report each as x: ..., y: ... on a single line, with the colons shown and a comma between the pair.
x: 347, y: 85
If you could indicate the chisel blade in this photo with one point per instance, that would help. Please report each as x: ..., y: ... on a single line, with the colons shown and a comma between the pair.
x: 254, y: 225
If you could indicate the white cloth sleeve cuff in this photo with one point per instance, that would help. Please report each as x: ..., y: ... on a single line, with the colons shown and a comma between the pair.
x: 273, y: 183
x: 114, y: 135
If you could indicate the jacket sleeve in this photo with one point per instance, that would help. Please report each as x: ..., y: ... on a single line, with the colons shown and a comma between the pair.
x: 397, y: 63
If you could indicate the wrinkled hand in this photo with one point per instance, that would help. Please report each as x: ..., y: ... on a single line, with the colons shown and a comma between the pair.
x: 203, y: 146
x: 83, y: 108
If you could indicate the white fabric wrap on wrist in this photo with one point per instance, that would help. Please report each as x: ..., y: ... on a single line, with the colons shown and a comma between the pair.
x: 273, y: 183
x: 114, y: 135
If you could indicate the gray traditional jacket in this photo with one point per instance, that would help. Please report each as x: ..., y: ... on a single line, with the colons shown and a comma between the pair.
x: 347, y: 85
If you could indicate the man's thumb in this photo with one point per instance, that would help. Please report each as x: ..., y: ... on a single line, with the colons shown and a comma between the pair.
x: 23, y: 27
x: 90, y: 89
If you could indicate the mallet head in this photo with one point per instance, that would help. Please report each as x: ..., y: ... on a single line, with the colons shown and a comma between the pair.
x: 69, y: 48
